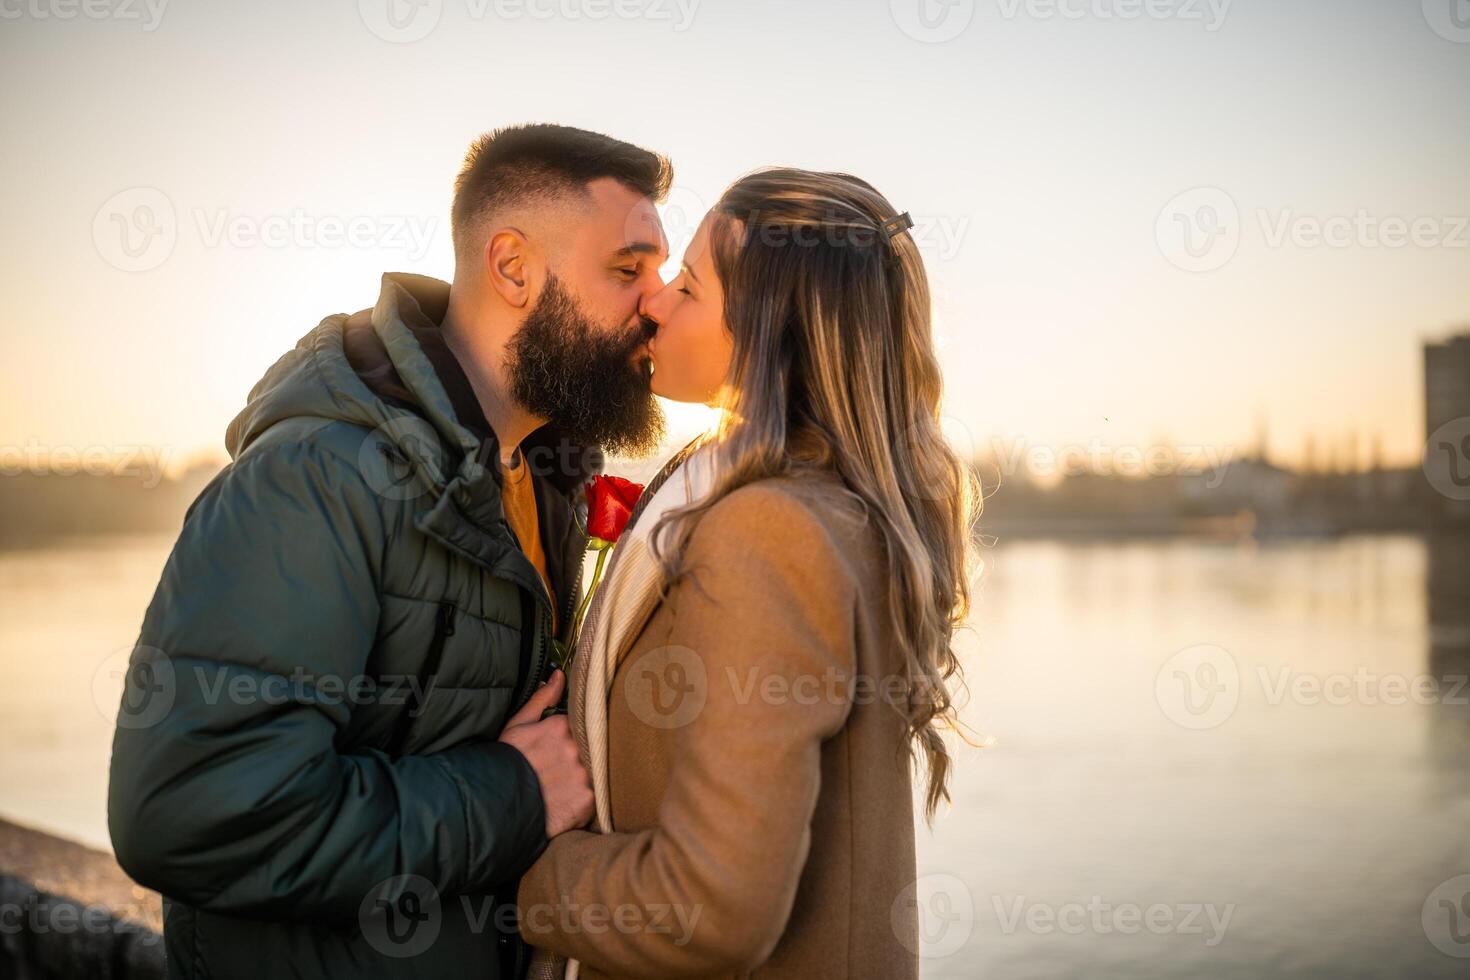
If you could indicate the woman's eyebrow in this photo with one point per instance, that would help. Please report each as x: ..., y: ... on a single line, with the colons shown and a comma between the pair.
x: 686, y: 267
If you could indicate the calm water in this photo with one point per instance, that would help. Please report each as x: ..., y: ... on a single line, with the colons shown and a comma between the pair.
x: 1207, y: 760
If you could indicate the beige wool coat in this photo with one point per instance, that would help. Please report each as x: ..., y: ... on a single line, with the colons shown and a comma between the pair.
x: 760, y: 791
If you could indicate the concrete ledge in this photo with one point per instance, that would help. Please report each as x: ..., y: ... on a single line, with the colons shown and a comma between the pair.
x: 69, y: 911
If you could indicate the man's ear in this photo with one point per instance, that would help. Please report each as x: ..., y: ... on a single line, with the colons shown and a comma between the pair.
x: 508, y: 266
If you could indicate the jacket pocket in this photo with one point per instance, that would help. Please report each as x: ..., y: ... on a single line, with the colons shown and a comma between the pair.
x: 419, y: 695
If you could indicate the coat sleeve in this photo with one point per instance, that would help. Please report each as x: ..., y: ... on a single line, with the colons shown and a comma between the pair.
x: 760, y: 629
x: 229, y: 788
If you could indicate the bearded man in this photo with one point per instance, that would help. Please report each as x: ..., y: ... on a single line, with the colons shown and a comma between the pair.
x: 331, y: 758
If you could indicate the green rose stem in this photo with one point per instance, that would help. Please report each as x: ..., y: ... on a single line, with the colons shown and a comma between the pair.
x: 602, y: 548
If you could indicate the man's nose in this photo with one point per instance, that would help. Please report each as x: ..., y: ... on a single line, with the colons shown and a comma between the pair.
x: 649, y: 306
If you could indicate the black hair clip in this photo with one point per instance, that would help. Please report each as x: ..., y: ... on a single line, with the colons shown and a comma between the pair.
x: 896, y: 224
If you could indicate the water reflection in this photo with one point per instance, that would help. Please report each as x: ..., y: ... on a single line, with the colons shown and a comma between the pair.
x: 1321, y: 810
x: 1322, y: 824
x: 1447, y: 603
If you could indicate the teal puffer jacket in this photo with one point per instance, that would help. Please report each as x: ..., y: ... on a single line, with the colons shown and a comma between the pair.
x: 305, y: 763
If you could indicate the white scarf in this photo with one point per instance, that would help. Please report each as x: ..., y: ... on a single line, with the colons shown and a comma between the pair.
x: 630, y: 595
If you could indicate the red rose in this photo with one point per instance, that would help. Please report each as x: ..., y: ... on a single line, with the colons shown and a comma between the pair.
x: 610, y: 502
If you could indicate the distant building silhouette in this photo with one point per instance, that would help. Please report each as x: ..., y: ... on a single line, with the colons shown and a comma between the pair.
x: 1446, y: 382
x: 1447, y: 444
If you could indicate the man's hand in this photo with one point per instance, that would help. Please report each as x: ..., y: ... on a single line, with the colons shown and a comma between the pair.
x: 566, y: 786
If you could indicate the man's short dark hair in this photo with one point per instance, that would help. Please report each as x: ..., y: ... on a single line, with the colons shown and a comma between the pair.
x: 507, y: 166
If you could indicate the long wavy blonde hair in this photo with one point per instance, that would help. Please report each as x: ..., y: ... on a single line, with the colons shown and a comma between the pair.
x: 834, y: 369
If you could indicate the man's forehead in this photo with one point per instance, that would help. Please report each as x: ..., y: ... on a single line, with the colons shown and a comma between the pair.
x: 624, y: 221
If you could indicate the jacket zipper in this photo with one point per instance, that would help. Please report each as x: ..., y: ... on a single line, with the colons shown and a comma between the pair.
x: 533, y: 652
x: 443, y: 630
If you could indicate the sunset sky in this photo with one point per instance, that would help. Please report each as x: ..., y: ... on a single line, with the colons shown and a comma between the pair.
x: 1053, y: 153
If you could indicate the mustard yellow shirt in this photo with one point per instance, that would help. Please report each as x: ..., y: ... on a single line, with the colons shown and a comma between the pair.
x: 518, y: 497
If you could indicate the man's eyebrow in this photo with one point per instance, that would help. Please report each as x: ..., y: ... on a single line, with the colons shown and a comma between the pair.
x: 639, y: 248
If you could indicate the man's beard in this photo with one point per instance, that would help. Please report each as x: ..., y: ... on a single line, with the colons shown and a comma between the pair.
x: 582, y: 379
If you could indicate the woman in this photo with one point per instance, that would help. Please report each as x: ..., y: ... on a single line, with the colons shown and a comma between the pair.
x: 772, y: 645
